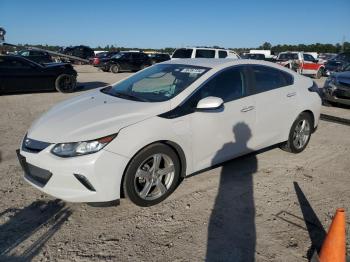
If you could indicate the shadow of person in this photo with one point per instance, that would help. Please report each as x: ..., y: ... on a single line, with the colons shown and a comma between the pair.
x: 23, y: 225
x: 231, y: 229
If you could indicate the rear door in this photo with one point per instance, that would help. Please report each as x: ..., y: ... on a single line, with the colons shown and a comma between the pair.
x: 275, y: 98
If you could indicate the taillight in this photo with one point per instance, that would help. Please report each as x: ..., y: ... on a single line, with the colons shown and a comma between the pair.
x: 96, y: 61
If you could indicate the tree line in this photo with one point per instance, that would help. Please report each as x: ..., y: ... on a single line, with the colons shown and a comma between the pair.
x: 317, y: 47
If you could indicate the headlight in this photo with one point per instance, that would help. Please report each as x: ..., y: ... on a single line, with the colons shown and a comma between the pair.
x: 81, y: 148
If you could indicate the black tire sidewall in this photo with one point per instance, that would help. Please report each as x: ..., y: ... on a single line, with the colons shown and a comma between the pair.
x: 59, y: 79
x: 128, y: 183
x: 115, y: 69
x: 303, y: 116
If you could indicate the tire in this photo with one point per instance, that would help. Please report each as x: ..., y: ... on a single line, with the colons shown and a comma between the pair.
x: 65, y: 83
x: 115, y: 69
x: 299, y: 139
x: 146, y: 187
x: 319, y: 73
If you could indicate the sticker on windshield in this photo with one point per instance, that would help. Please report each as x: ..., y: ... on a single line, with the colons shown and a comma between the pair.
x: 192, y: 70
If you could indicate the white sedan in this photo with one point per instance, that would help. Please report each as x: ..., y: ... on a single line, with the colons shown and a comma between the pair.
x: 142, y: 135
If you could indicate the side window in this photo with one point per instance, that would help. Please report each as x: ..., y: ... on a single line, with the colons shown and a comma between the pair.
x: 205, y: 53
x: 222, y: 54
x: 309, y: 58
x: 228, y: 85
x: 268, y: 78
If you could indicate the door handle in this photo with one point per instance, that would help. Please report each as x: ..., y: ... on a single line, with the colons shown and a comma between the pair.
x: 247, y: 109
x: 291, y: 94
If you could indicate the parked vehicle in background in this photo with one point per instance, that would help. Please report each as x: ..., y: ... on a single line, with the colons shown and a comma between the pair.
x: 324, y: 57
x: 158, y: 57
x: 81, y: 51
x: 18, y: 74
x: 337, y: 87
x: 201, y: 52
x: 102, y: 58
x: 40, y: 57
x: 337, y: 63
x: 143, y: 135
x: 254, y: 56
x: 126, y: 61
x: 267, y: 53
x: 302, y: 63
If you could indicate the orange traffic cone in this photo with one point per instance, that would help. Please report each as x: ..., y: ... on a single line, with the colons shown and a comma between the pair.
x: 333, y: 248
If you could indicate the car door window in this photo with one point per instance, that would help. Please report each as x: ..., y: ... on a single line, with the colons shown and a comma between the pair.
x: 309, y: 58
x: 205, y: 53
x: 222, y: 54
x: 267, y: 78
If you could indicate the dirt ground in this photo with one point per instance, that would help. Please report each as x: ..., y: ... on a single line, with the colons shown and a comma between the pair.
x: 269, y: 206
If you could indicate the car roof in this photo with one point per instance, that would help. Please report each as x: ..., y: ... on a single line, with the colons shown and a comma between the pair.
x: 218, y: 62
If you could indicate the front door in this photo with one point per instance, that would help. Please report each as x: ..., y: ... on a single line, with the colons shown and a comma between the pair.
x: 222, y: 134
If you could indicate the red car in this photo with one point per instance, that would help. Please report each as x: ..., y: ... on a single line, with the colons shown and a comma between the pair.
x: 302, y: 63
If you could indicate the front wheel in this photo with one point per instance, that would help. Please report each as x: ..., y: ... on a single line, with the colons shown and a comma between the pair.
x: 152, y: 175
x: 299, y: 135
x: 65, y: 83
x: 115, y: 69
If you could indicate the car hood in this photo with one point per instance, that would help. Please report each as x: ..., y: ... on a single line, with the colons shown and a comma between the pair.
x: 90, y: 116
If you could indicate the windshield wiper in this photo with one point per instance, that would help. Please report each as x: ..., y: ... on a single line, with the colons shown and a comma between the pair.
x: 129, y: 96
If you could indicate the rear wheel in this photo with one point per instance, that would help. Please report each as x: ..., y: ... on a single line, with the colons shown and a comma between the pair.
x: 115, y: 69
x: 65, y: 83
x: 152, y: 175
x: 299, y: 135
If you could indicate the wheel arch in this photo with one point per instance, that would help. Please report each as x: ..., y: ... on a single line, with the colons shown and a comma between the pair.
x: 174, y: 146
x: 311, y: 114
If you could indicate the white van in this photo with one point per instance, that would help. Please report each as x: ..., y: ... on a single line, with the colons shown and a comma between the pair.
x: 203, y: 52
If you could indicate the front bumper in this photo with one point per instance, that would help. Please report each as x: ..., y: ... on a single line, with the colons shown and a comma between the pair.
x: 90, y: 178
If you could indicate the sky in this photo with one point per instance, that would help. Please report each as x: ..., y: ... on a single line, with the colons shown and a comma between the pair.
x: 158, y: 24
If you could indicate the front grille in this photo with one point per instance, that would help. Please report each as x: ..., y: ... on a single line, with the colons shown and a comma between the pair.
x: 34, y: 174
x: 33, y: 146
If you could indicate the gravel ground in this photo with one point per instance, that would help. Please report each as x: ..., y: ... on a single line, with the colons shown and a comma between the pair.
x: 269, y: 206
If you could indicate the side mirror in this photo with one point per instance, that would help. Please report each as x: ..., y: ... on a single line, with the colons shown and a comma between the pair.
x: 210, y: 103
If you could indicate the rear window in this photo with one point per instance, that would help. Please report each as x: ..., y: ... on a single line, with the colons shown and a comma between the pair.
x: 182, y: 53
x: 205, y: 53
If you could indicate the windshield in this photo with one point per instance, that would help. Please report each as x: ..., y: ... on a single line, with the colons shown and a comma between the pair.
x: 157, y: 83
x: 182, y: 53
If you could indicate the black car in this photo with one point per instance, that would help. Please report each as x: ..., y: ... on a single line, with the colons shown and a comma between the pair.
x: 337, y: 63
x: 158, y: 57
x: 18, y: 74
x: 81, y: 51
x: 103, y: 58
x: 40, y: 57
x: 337, y: 87
x: 127, y: 61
